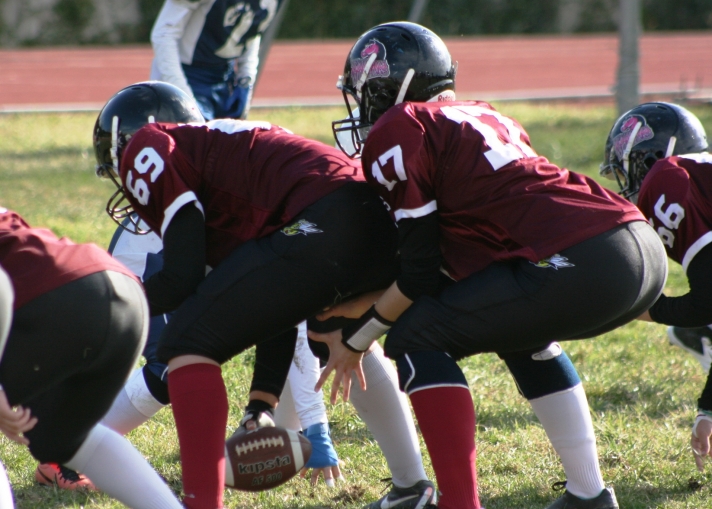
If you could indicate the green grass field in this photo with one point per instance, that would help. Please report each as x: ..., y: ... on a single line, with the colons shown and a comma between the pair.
x: 642, y: 392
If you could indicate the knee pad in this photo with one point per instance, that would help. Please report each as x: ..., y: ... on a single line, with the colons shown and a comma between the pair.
x: 155, y: 376
x: 428, y: 369
x: 541, y: 372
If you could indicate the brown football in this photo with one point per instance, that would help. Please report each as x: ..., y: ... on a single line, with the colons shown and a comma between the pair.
x: 265, y: 458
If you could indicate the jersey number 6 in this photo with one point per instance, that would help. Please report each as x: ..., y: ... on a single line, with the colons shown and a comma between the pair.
x: 146, y: 161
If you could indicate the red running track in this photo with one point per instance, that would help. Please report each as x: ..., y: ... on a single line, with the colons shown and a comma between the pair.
x: 305, y: 72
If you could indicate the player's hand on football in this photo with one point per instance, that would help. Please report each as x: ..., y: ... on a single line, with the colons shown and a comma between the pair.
x: 15, y: 421
x: 700, y: 440
x: 352, y: 308
x: 331, y: 475
x: 342, y: 361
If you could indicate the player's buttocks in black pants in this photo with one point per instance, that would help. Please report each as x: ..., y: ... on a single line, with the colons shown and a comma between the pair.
x: 586, y: 290
x: 69, y: 353
x: 342, y: 245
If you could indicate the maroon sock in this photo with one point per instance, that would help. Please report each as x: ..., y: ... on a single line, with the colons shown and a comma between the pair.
x: 199, y: 402
x: 446, y: 417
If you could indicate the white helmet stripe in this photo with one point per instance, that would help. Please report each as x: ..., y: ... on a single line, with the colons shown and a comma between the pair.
x: 404, y: 87
x: 671, y: 146
x: 115, y: 143
x: 629, y: 147
x: 364, y: 74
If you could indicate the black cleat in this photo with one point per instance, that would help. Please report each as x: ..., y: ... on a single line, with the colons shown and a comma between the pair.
x: 695, y: 341
x: 605, y: 500
x: 422, y: 495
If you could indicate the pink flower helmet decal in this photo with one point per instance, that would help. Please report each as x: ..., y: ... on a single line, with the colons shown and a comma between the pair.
x: 620, y: 141
x: 379, y: 68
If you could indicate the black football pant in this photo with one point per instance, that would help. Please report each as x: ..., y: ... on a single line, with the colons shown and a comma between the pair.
x: 346, y: 245
x: 598, y: 285
x: 68, y: 355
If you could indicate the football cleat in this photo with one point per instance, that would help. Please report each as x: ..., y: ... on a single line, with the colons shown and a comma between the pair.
x: 52, y: 474
x: 695, y: 341
x: 605, y: 500
x: 422, y: 495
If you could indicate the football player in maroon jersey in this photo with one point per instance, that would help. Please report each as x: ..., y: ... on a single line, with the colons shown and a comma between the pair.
x: 531, y: 252
x: 658, y: 154
x: 79, y: 324
x: 287, y: 224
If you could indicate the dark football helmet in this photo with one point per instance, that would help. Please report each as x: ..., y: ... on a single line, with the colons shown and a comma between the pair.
x: 390, y: 64
x: 125, y: 113
x: 641, y: 136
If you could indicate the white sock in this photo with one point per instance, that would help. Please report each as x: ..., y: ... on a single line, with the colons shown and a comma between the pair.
x: 133, y: 406
x: 567, y: 421
x: 285, y: 415
x: 5, y: 490
x: 394, y: 430
x: 299, y: 406
x: 119, y: 470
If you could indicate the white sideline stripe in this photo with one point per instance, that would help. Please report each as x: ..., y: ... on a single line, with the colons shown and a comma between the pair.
x: 664, y: 89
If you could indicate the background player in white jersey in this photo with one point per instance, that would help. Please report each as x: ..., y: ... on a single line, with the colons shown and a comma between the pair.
x: 289, y: 227
x: 657, y: 152
x: 79, y: 324
x: 210, y: 50
x: 525, y: 245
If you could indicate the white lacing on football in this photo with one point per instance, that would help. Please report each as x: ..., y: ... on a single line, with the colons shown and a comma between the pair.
x: 262, y: 443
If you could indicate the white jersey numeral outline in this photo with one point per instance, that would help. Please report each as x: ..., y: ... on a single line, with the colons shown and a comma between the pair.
x: 148, y: 160
x: 500, y: 153
x: 671, y: 217
x: 395, y: 153
x: 233, y: 45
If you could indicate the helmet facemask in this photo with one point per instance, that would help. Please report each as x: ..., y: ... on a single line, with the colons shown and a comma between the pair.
x: 118, y: 207
x: 349, y: 134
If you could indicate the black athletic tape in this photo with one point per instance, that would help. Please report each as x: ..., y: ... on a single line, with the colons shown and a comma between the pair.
x: 371, y: 326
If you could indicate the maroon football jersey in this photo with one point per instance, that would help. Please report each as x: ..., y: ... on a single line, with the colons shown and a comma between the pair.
x: 249, y: 179
x: 676, y: 197
x: 495, y: 198
x: 37, y: 261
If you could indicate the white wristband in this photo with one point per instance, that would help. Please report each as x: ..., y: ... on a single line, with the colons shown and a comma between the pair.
x: 361, y: 336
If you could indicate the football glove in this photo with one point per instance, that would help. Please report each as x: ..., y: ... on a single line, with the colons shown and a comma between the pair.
x: 323, y: 453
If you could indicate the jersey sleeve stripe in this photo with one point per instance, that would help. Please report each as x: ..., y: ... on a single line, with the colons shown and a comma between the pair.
x: 187, y: 197
x: 419, y: 212
x: 695, y: 248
